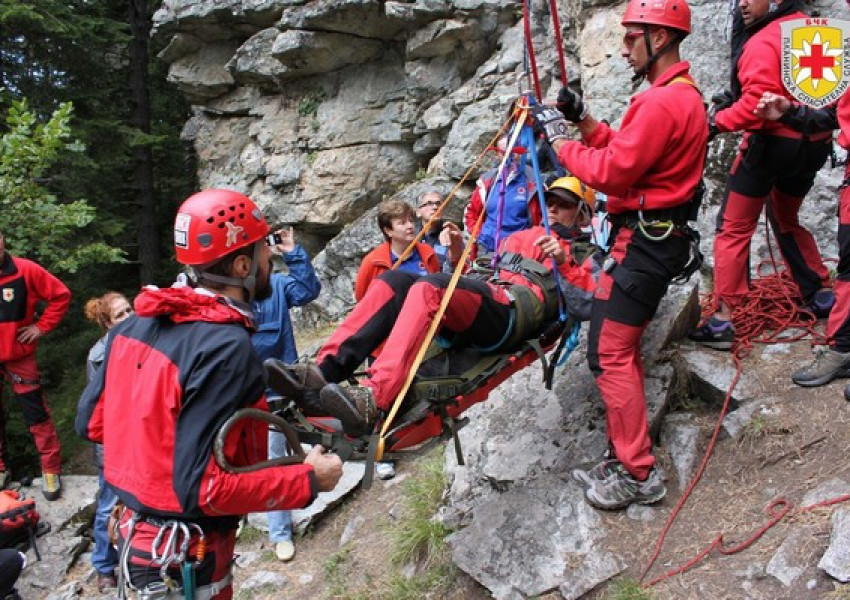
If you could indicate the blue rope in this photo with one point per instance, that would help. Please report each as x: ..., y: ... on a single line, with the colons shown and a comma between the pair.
x: 572, y: 343
x: 528, y: 141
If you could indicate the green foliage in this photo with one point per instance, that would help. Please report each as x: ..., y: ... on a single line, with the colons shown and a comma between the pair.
x: 309, y: 104
x: 427, y: 584
x: 628, y: 589
x: 333, y: 568
x: 35, y: 223
x: 418, y: 536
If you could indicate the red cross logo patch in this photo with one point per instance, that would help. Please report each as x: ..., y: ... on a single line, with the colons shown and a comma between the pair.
x: 815, y: 59
x: 8, y: 294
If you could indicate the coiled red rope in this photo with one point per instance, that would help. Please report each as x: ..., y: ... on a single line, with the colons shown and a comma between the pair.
x: 770, y: 313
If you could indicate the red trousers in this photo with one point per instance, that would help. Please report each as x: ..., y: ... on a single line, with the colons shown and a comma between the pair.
x: 22, y: 373
x: 838, y: 326
x: 399, y: 307
x: 626, y: 299
x: 778, y: 171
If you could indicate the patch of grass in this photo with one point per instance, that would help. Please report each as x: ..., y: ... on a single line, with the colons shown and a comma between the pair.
x: 418, y: 536
x: 250, y: 534
x: 840, y: 593
x: 628, y: 589
x: 428, y: 584
x: 333, y: 568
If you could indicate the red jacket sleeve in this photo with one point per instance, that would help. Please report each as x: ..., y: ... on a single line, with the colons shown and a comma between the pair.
x: 45, y: 286
x: 758, y: 72
x: 366, y: 274
x: 476, y: 205
x: 613, y: 163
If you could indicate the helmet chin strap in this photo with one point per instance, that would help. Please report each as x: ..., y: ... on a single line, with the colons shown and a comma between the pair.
x: 249, y: 283
x: 640, y: 75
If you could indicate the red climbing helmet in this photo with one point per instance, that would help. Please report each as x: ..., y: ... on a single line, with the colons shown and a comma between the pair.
x: 214, y: 223
x: 675, y: 14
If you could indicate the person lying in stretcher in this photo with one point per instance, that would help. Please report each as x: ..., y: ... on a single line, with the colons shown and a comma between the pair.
x: 490, y: 314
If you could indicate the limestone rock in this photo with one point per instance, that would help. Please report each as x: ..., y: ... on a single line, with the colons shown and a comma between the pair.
x: 836, y: 560
x: 533, y: 539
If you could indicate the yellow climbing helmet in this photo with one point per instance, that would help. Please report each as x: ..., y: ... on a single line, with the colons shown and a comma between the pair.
x: 572, y: 190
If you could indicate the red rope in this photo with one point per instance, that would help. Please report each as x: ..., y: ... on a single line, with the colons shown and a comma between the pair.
x: 530, y: 49
x: 553, y: 6
x: 771, y: 308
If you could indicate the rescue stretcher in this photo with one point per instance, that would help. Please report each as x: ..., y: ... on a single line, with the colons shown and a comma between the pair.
x: 448, y: 382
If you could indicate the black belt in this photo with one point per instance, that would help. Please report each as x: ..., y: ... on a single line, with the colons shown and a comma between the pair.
x: 678, y: 215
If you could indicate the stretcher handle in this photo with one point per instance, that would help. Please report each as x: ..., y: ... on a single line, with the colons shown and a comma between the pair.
x: 277, y: 423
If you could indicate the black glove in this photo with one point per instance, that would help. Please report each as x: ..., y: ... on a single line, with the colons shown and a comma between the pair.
x: 722, y: 100
x: 712, y: 129
x: 551, y: 120
x: 571, y: 104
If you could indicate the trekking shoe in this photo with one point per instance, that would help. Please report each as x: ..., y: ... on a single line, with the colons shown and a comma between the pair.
x: 51, y: 485
x: 821, y: 303
x: 285, y: 550
x: 292, y: 381
x: 828, y: 365
x: 353, y: 406
x: 596, y: 473
x: 620, y: 489
x: 715, y: 333
x: 106, y: 581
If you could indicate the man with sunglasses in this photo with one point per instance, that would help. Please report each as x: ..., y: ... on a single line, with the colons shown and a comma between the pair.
x: 651, y: 170
x: 443, y: 236
x: 776, y: 165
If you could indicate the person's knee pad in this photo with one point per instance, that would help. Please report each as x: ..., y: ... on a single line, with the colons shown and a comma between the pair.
x: 32, y: 403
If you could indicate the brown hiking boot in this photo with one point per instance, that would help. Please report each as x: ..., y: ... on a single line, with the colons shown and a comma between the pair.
x: 353, y: 406
x: 294, y: 381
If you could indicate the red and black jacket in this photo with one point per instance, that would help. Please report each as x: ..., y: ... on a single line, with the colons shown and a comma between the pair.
x: 172, y: 375
x: 23, y: 284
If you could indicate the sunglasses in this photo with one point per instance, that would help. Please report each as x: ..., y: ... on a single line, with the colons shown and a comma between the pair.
x: 630, y: 37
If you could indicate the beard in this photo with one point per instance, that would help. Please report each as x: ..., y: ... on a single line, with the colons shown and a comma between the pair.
x: 263, y: 285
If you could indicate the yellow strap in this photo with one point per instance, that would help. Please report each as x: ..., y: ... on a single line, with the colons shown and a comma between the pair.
x: 438, y: 316
x: 682, y: 79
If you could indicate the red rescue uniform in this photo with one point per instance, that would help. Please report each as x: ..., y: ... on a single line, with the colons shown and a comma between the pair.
x: 653, y: 163
x: 23, y: 284
x: 775, y: 164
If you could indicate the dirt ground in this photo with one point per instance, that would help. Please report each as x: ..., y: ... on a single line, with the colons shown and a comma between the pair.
x: 797, y: 443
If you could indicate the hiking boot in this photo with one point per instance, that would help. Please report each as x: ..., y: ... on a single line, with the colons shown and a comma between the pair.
x: 620, y: 489
x: 353, y: 406
x: 596, y: 473
x: 292, y: 381
x: 106, y: 581
x: 828, y: 365
x: 821, y: 303
x: 715, y: 333
x: 51, y: 486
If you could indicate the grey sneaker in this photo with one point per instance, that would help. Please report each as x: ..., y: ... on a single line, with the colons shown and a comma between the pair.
x: 828, y: 365
x: 620, y: 489
x: 591, y: 471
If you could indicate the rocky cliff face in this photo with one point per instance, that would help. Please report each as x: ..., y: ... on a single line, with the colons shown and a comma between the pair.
x: 321, y: 109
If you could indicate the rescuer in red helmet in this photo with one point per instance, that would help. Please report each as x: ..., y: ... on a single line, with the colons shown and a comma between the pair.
x: 651, y: 170
x: 172, y: 375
